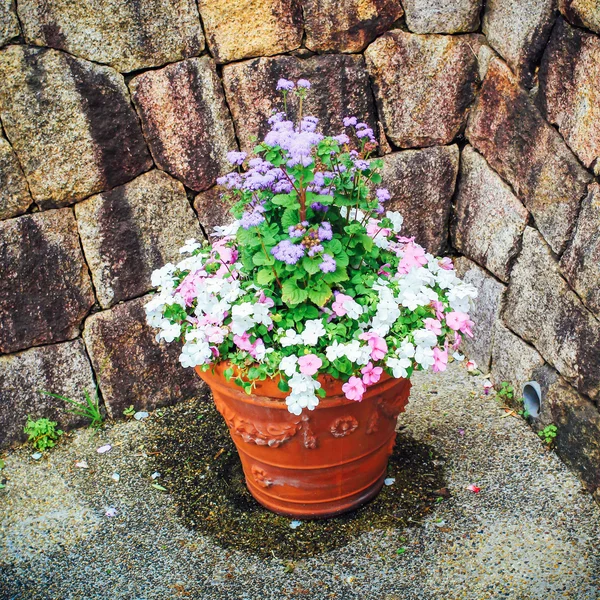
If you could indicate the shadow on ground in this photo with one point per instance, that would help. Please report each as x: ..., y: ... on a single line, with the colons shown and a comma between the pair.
x: 200, y: 468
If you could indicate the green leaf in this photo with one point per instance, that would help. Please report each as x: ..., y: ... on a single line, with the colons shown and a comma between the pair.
x: 286, y: 200
x: 260, y: 258
x: 337, y: 276
x: 334, y: 246
x: 228, y: 373
x: 319, y: 292
x: 265, y: 276
x: 375, y: 177
x: 291, y: 294
x: 341, y: 260
x: 283, y: 386
x: 311, y: 265
x: 289, y: 218
x: 367, y: 242
x: 311, y: 312
x: 159, y: 487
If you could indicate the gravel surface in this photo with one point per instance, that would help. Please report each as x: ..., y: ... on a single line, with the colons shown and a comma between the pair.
x: 530, y: 533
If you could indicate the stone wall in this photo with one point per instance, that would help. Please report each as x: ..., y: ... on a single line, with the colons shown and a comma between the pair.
x: 115, y: 122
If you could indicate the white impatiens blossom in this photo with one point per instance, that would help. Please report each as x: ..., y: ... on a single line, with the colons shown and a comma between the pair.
x: 190, y: 246
x: 398, y: 366
x: 459, y: 296
x: 424, y: 356
x: 163, y: 277
x: 303, y: 393
x: 313, y: 331
x: 425, y: 338
x: 334, y: 350
x: 289, y: 364
x: 396, y: 218
x: 241, y: 317
x: 196, y: 351
x: 168, y: 331
x: 387, y: 309
x: 226, y: 230
x: 289, y: 338
x: 355, y: 214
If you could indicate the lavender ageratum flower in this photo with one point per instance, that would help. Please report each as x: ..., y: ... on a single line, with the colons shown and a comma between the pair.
x: 380, y: 210
x: 366, y: 133
x: 328, y: 265
x: 361, y: 165
x: 285, y: 84
x: 325, y: 232
x: 318, y: 207
x: 252, y: 219
x: 276, y: 118
x: 231, y: 180
x: 283, y: 187
x: 315, y: 250
x: 236, y: 158
x: 303, y: 83
x: 342, y: 138
x: 296, y: 231
x: 349, y: 121
x: 288, y: 252
x: 383, y: 194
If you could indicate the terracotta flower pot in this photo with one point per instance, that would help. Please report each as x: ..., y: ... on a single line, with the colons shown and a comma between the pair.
x: 321, y: 463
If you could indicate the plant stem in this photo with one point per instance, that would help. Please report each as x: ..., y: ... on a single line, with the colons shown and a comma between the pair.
x: 268, y: 258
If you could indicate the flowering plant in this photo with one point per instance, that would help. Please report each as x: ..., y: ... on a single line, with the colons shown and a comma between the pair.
x: 313, y: 276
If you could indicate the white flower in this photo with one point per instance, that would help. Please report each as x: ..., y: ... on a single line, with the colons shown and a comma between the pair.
x: 396, y: 218
x: 424, y: 356
x: 458, y: 356
x: 163, y: 277
x: 335, y: 350
x: 190, y: 246
x: 425, y: 338
x: 459, y: 295
x: 406, y: 350
x: 353, y: 309
x: 355, y: 214
x: 241, y: 319
x: 399, y: 366
x: 195, y: 353
x: 226, y: 230
x: 288, y: 364
x: 291, y: 338
x: 192, y: 263
x: 168, y: 331
x: 303, y: 393
x: 261, y: 314
x: 312, y: 332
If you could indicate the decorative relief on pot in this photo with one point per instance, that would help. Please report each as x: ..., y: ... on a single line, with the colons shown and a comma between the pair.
x: 310, y: 440
x: 343, y: 426
x: 261, y: 477
x: 261, y: 434
x: 373, y: 423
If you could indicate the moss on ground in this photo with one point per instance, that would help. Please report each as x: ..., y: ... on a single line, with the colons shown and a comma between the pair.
x: 200, y: 468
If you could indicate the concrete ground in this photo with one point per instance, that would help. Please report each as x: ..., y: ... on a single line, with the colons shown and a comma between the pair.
x: 530, y: 533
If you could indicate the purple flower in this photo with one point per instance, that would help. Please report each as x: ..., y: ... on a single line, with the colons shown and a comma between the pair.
x: 231, y: 180
x: 361, y: 164
x: 328, y: 265
x: 251, y: 219
x: 288, y: 252
x: 236, y: 158
x: 318, y: 207
x: 303, y: 83
x: 276, y: 118
x: 349, y: 121
x: 283, y: 187
x: 285, y: 84
x: 383, y: 194
x: 342, y: 138
x: 325, y: 232
x: 380, y: 210
x: 366, y: 133
x: 315, y: 250
x: 296, y: 231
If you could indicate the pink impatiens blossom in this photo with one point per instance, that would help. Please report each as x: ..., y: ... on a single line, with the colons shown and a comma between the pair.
x: 433, y: 325
x: 457, y: 341
x: 439, y: 309
x: 374, y: 229
x: 354, y: 389
x: 446, y: 263
x: 376, y: 343
x: 440, y: 360
x: 187, y: 288
x: 413, y: 256
x: 309, y: 364
x: 459, y: 321
x: 256, y: 349
x: 338, y: 305
x: 371, y: 374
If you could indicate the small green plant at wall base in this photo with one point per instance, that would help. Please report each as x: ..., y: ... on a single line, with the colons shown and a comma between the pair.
x: 548, y: 434
x: 129, y: 412
x: 523, y: 412
x: 506, y: 391
x: 42, y: 433
x: 89, y: 409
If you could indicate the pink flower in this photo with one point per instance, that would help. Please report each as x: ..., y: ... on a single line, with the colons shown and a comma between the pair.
x: 243, y: 341
x: 446, y: 264
x: 440, y: 360
x: 376, y: 343
x: 187, y: 288
x: 227, y: 254
x: 354, y: 389
x: 473, y: 488
x: 215, y: 335
x: 374, y: 229
x: 338, y: 305
x: 414, y: 256
x: 371, y: 374
x: 309, y: 364
x: 433, y: 325
x: 460, y: 321
x: 439, y: 309
x: 263, y: 299
x: 457, y: 341
x: 383, y: 271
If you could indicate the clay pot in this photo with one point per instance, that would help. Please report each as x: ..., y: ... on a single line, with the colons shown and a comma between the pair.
x: 321, y: 463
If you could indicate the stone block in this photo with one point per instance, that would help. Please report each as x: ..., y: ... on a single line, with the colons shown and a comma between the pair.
x: 126, y: 35
x: 509, y: 131
x: 580, y: 264
x: 236, y: 30
x: 62, y: 369
x: 421, y: 183
x: 130, y: 231
x: 185, y: 120
x: 489, y: 220
x: 485, y: 311
x: 212, y: 210
x: 583, y: 13
x: 340, y: 88
x: 15, y: 198
x: 45, y: 287
x: 543, y: 310
x: 423, y: 85
x: 569, y: 91
x: 442, y: 16
x: 9, y: 24
x: 132, y: 367
x: 513, y: 360
x: 518, y: 31
x: 347, y: 25
x: 71, y: 124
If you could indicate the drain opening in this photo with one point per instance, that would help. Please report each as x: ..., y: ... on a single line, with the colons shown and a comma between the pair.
x: 532, y: 398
